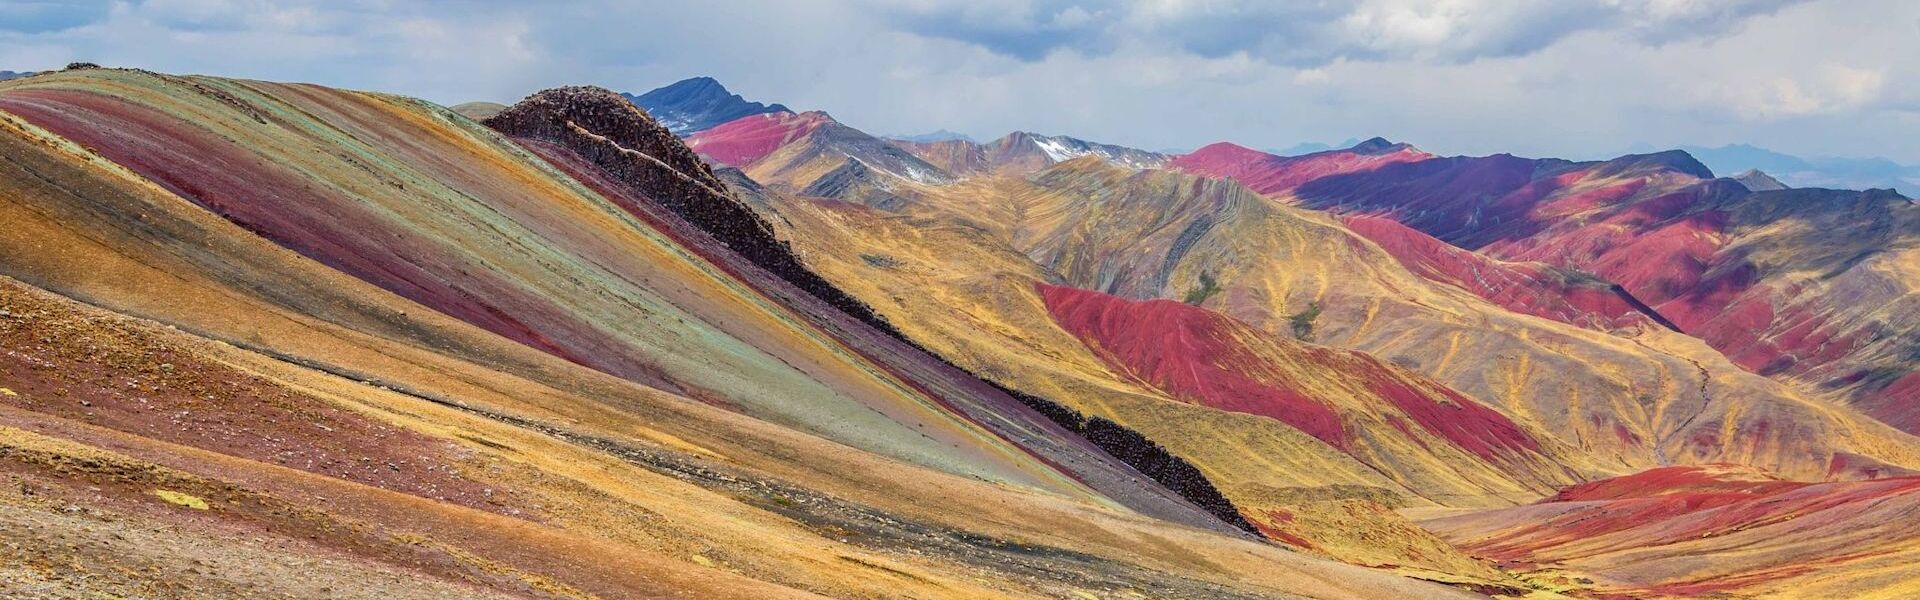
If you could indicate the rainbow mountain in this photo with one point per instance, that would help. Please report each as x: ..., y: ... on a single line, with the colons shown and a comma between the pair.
x: 281, y: 339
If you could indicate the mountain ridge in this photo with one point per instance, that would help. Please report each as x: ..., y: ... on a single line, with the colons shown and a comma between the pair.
x: 1021, y: 153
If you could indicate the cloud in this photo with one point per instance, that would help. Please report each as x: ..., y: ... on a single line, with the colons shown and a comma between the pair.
x: 411, y: 48
x: 1822, y: 89
x: 1027, y: 29
x: 1573, y: 78
x: 40, y: 16
x: 1315, y: 33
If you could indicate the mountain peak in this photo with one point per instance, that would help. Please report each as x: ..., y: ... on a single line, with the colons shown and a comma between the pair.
x: 1677, y: 160
x: 697, y: 104
x: 1376, y: 145
x: 1224, y: 151
x: 1758, y: 181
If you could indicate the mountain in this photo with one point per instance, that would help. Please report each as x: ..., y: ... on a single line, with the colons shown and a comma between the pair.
x: 352, y: 343
x: 337, y: 340
x: 1305, y: 148
x: 1758, y: 181
x: 1312, y: 147
x: 1824, y: 172
x: 694, y: 105
x: 1272, y: 174
x: 1808, y: 285
x: 1151, y: 234
x: 941, y: 135
x: 1207, y: 317
x: 795, y: 150
x: 5, y: 75
x: 1019, y: 153
x: 994, y: 312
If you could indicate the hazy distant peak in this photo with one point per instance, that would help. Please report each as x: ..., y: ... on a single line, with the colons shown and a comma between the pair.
x: 940, y: 135
x: 1758, y: 181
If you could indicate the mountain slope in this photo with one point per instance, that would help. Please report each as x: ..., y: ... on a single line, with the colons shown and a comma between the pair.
x: 1648, y: 535
x: 1631, y: 400
x: 1806, y: 284
x: 697, y: 104
x: 478, y: 110
x: 300, y: 367
x: 595, y: 137
x: 528, y: 245
x: 976, y: 302
x: 1527, y: 288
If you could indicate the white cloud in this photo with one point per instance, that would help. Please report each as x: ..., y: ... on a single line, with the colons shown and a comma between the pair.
x: 1579, y: 78
x: 1824, y: 89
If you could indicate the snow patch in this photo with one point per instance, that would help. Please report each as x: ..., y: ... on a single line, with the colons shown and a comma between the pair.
x: 1057, y: 151
x: 1061, y: 149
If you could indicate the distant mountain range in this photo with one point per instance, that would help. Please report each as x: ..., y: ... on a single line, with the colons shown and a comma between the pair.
x: 1312, y: 147
x: 694, y: 105
x: 701, y: 103
x: 5, y: 75
x: 1800, y: 172
x: 940, y: 135
x: 1021, y: 152
x: 1735, y: 160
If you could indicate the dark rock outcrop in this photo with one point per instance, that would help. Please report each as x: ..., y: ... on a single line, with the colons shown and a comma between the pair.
x: 606, y: 130
x: 1143, y: 454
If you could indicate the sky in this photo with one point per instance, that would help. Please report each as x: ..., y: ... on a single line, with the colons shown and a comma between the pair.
x: 1569, y: 78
